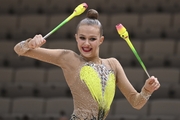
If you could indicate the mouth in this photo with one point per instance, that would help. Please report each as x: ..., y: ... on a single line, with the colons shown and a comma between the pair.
x: 85, y: 49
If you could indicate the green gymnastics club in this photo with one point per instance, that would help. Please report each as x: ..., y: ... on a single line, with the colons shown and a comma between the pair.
x: 77, y: 11
x: 124, y: 34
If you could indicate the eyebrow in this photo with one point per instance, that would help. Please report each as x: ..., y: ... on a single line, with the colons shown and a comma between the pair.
x: 89, y: 36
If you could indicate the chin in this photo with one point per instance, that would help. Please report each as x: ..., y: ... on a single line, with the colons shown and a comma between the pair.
x: 86, y: 55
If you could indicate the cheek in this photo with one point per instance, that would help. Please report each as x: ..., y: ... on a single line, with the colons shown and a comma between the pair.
x: 95, y: 44
x: 79, y: 43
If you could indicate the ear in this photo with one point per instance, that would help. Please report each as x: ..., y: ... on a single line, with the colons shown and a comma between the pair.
x: 101, y: 39
x: 76, y: 36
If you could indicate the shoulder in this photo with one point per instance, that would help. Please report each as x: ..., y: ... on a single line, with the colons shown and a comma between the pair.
x: 113, y: 62
x: 113, y: 59
x: 68, y: 53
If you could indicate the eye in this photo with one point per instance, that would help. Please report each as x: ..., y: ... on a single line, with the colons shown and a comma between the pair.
x: 82, y: 38
x: 93, y: 39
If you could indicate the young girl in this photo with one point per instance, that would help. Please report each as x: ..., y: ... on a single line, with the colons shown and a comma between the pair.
x: 91, y: 79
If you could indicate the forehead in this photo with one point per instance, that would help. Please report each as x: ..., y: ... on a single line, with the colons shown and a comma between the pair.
x: 89, y: 29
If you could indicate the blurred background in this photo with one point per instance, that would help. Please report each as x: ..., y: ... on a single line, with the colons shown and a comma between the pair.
x: 33, y: 90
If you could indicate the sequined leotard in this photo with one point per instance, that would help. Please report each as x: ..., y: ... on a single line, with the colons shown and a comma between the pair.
x: 94, y: 92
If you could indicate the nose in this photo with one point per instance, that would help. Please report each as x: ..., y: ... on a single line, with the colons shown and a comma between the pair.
x: 86, y: 42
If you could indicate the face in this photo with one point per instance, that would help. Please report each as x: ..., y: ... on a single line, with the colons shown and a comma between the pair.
x: 88, y: 40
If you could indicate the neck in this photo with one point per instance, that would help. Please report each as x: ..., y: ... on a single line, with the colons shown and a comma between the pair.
x: 95, y: 60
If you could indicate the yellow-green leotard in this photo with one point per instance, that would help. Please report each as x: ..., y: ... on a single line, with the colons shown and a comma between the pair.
x: 101, y: 84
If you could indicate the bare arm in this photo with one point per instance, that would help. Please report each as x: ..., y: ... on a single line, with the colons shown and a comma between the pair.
x: 137, y: 100
x: 32, y: 48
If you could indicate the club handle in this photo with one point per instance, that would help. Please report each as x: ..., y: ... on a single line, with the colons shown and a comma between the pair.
x: 137, y: 55
x: 59, y: 26
x: 77, y: 11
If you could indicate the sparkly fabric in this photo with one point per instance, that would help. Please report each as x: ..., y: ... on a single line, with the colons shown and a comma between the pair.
x: 23, y: 47
x: 101, y: 84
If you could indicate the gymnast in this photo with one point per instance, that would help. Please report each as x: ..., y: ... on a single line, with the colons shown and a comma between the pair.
x: 91, y: 79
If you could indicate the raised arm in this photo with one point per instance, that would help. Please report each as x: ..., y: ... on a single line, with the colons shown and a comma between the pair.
x: 136, y: 99
x: 32, y: 48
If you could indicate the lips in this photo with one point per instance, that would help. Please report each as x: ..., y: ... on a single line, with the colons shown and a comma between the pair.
x: 85, y: 49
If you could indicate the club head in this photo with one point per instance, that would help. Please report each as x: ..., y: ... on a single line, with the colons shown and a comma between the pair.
x: 122, y: 31
x: 80, y: 9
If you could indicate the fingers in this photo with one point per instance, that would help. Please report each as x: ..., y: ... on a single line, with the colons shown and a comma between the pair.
x: 36, y: 42
x: 155, y: 85
x: 152, y: 84
x: 151, y: 81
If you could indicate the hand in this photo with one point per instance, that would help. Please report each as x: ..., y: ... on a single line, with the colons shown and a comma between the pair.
x: 151, y: 84
x: 36, y: 42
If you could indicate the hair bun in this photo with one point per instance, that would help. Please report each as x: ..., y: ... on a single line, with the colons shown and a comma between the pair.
x: 92, y: 14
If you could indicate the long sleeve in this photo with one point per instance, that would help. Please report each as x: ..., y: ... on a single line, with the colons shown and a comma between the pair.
x: 136, y: 99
